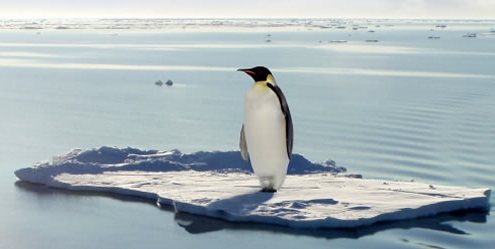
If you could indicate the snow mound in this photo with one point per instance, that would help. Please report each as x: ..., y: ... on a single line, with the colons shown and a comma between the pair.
x: 221, y: 185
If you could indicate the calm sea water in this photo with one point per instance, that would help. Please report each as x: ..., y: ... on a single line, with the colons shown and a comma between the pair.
x: 405, y: 107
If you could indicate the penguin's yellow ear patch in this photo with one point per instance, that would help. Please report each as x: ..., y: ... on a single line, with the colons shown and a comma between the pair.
x: 270, y: 79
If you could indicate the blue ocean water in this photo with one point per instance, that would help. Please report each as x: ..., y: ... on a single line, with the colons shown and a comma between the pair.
x: 405, y: 107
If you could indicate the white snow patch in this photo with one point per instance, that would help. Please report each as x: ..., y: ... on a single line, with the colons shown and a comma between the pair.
x: 221, y: 185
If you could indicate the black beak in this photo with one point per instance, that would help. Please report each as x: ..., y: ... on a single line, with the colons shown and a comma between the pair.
x: 246, y: 70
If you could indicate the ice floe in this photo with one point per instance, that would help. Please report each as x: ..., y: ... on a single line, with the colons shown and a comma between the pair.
x: 221, y: 185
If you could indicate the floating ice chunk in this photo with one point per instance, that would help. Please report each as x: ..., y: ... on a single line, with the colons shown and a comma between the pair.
x: 221, y: 185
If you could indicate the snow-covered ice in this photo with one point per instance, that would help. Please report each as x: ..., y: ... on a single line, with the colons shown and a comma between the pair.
x: 221, y: 185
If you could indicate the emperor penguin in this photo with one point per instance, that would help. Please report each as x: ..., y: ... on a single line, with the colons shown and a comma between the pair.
x: 266, y: 134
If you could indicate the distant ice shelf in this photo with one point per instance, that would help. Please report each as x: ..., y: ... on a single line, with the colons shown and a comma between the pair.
x: 221, y: 185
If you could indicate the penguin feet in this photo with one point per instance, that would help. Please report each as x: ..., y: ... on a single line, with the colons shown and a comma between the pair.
x: 267, y: 184
x: 268, y: 190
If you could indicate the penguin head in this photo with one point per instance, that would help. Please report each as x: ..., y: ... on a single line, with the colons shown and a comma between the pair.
x: 259, y: 74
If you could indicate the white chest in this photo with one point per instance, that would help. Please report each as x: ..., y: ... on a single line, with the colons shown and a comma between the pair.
x: 262, y: 107
x: 264, y: 124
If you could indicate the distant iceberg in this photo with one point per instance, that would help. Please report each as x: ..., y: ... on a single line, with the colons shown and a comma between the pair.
x: 221, y: 185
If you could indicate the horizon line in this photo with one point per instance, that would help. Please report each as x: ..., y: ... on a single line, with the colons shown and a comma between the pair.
x: 259, y: 18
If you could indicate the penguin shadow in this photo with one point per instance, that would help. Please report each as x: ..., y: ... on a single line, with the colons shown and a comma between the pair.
x: 245, y: 203
x: 222, y: 209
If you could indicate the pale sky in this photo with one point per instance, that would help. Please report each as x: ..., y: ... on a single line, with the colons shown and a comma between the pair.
x: 455, y: 9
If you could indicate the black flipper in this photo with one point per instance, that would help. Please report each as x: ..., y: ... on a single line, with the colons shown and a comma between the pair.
x: 289, y: 132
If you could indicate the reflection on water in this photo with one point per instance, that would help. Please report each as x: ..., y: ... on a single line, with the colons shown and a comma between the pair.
x: 48, y: 192
x: 198, y: 224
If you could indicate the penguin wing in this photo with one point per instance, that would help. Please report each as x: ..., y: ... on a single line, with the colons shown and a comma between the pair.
x: 243, y: 145
x: 289, y: 131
